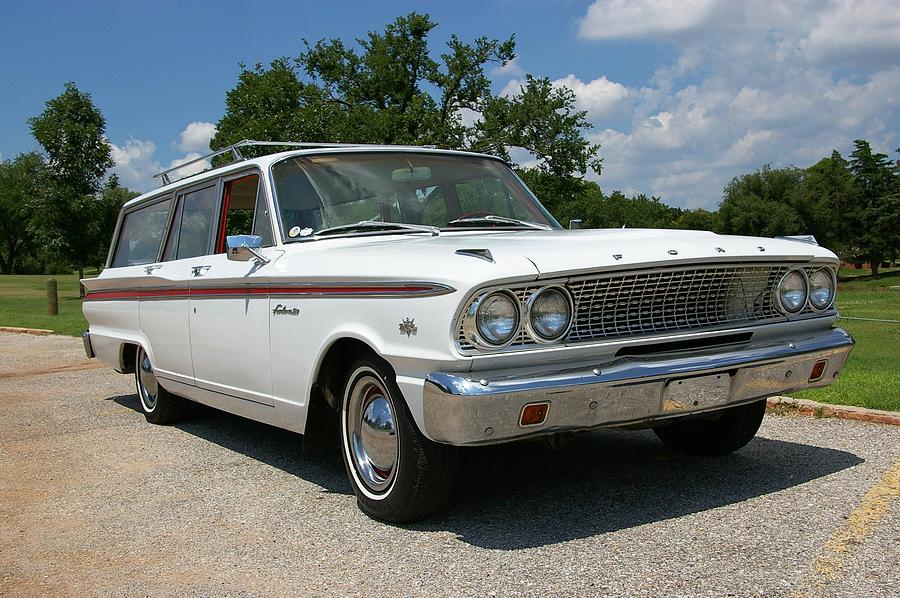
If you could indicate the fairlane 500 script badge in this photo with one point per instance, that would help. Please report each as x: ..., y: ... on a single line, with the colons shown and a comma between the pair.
x: 408, y: 327
x: 284, y: 310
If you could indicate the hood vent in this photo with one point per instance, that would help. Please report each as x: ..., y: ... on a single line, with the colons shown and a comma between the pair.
x: 482, y: 254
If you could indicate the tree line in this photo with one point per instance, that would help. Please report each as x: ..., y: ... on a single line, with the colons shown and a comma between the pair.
x: 850, y: 206
x: 58, y: 208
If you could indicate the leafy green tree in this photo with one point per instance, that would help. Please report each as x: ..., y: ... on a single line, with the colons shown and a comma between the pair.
x: 827, y: 194
x: 699, y: 219
x: 72, y: 132
x: 761, y: 204
x: 874, y: 221
x: 389, y: 89
x: 21, y: 185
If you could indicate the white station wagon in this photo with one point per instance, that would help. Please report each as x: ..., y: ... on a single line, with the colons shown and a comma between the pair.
x: 427, y: 301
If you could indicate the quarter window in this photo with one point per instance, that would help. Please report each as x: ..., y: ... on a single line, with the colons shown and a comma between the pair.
x: 191, y: 225
x: 244, y: 211
x: 142, y: 232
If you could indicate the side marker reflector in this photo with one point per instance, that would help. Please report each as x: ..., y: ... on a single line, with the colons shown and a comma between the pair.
x: 818, y: 370
x: 534, y: 414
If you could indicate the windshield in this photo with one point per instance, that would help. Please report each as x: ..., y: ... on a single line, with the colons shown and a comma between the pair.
x: 323, y: 191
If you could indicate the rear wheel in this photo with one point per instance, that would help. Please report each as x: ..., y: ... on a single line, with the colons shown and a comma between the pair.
x: 397, y: 474
x: 717, y: 434
x: 158, y: 405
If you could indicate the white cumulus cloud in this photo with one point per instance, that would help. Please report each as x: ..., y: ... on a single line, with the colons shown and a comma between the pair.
x: 752, y: 82
x: 195, y: 137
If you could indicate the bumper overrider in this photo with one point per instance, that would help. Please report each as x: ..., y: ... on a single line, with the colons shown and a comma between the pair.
x: 486, y: 408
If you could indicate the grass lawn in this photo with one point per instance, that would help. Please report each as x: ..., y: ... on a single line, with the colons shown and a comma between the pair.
x: 23, y: 302
x: 871, y: 378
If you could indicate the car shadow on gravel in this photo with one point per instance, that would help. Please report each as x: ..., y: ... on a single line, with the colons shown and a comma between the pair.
x: 527, y: 495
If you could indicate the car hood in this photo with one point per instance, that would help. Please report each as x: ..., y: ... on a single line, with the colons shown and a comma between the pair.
x: 528, y: 254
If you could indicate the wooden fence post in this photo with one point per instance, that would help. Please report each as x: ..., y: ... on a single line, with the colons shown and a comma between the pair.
x: 52, y: 298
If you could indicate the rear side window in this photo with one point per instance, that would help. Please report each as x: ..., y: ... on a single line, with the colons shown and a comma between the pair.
x: 141, y: 236
x: 191, y: 225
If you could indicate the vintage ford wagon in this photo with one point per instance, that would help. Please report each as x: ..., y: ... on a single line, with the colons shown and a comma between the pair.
x: 421, y: 300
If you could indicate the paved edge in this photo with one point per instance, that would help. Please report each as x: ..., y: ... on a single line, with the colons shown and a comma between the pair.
x: 36, y: 331
x: 805, y: 407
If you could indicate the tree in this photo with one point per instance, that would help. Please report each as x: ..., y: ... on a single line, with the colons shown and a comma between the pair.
x: 390, y: 89
x: 826, y: 196
x: 72, y: 132
x: 874, y: 219
x: 761, y: 204
x: 21, y: 185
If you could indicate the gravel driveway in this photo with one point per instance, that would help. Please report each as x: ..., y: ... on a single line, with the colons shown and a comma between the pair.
x: 93, y: 500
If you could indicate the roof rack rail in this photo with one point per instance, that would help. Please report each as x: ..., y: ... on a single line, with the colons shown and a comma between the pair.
x: 235, y: 151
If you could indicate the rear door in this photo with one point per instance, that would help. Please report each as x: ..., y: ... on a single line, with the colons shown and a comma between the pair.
x: 229, y: 304
x: 165, y: 298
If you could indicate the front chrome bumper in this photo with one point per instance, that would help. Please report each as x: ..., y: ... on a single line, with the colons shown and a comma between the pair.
x: 464, y: 410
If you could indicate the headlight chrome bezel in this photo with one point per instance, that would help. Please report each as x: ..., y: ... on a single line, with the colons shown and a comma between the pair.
x: 778, y: 301
x: 833, y: 283
x: 470, y: 322
x: 529, y: 325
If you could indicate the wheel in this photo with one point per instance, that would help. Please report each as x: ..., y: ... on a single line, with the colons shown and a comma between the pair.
x: 720, y: 433
x: 397, y: 474
x: 159, y: 405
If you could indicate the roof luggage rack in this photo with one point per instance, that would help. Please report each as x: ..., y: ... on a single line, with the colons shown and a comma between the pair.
x: 236, y: 155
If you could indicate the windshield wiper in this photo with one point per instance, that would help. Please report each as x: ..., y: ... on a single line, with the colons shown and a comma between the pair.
x: 374, y: 225
x: 494, y: 219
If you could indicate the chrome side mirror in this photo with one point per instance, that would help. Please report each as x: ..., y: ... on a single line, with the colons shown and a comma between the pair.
x: 241, y: 248
x: 575, y: 224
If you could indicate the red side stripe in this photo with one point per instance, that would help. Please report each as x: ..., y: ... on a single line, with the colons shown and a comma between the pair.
x: 258, y: 290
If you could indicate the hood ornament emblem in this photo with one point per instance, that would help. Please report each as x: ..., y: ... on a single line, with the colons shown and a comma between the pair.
x: 673, y: 252
x: 408, y: 327
x: 617, y: 256
x: 720, y: 250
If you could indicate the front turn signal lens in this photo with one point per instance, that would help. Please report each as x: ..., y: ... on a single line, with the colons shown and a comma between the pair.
x: 534, y: 414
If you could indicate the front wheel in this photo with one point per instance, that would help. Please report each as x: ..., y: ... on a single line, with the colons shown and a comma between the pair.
x: 719, y: 433
x: 157, y: 404
x: 397, y: 474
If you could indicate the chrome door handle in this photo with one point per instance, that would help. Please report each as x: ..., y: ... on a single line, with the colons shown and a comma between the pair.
x: 199, y: 270
x: 150, y: 269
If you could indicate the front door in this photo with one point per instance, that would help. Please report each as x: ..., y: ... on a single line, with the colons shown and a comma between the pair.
x: 229, y: 304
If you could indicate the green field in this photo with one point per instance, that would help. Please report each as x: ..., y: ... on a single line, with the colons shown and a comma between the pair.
x: 871, y: 379
x: 23, y: 302
x: 872, y: 376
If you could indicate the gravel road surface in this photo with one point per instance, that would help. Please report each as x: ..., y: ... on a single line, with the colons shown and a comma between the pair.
x: 95, y: 501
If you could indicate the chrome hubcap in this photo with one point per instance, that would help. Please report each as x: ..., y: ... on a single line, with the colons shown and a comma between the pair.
x: 372, y: 432
x: 148, y: 387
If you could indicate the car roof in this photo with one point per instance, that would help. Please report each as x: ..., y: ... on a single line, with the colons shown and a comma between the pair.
x: 267, y: 160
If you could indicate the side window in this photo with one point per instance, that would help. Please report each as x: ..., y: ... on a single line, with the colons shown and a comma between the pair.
x: 141, y: 235
x: 244, y: 211
x: 191, y: 225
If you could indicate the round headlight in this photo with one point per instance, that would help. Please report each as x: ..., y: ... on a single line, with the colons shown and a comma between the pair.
x: 821, y: 288
x: 549, y: 313
x: 497, y: 318
x: 792, y: 291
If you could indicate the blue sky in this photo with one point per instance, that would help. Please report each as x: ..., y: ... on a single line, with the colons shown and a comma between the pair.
x: 683, y: 95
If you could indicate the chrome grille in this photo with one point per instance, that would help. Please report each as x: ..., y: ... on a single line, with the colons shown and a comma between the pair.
x: 659, y: 301
x: 654, y: 302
